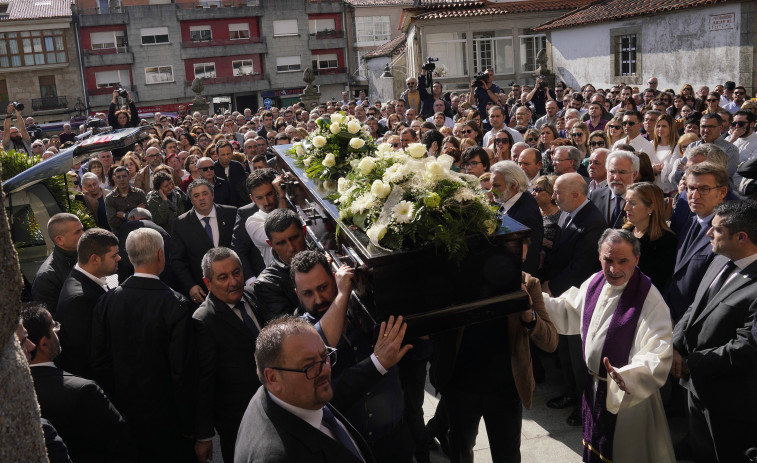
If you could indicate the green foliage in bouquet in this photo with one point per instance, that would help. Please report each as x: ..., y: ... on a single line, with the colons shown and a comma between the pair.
x: 404, y: 199
x: 327, y: 151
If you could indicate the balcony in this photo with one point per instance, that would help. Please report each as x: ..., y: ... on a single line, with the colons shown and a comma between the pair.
x: 229, y: 80
x: 108, y: 57
x: 92, y: 17
x: 330, y: 76
x: 232, y: 84
x: 132, y: 89
x: 323, y: 6
x: 217, y: 9
x: 252, y: 46
x: 327, y: 39
x: 49, y: 104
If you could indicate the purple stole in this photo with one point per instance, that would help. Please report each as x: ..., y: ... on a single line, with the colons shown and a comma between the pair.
x: 599, y: 424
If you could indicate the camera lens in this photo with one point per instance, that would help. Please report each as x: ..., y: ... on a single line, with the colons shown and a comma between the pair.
x: 18, y: 106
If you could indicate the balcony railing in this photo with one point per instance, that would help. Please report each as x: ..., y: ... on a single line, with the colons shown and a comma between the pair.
x: 217, y: 4
x: 46, y: 104
x: 221, y: 43
x: 228, y: 79
x: 106, y: 51
x: 330, y: 34
x: 109, y: 90
x: 101, y: 10
x: 329, y: 71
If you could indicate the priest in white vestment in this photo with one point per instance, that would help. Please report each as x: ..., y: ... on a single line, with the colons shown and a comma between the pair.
x: 627, y: 333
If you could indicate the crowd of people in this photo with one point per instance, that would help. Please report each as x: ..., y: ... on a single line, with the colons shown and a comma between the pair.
x: 640, y: 269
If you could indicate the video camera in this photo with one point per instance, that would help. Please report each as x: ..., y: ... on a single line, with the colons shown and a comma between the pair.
x: 479, y: 79
x: 428, y: 68
x: 17, y: 106
x: 123, y: 93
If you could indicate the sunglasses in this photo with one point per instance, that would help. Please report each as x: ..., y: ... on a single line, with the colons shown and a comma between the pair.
x: 531, y: 139
x: 615, y: 127
x: 501, y: 141
x: 596, y: 143
x: 538, y: 189
x: 712, y: 100
x: 205, y: 169
x: 467, y: 131
x: 577, y: 134
x: 739, y: 93
x: 629, y: 123
x: 738, y: 124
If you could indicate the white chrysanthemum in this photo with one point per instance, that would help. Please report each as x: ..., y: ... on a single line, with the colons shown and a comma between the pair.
x: 342, y: 185
x: 363, y: 203
x: 380, y: 189
x: 384, y: 148
x: 334, y: 127
x: 416, y: 150
x: 353, y: 127
x: 403, y: 211
x: 319, y: 141
x: 464, y: 194
x: 298, y: 149
x: 396, y: 173
x: 446, y: 160
x: 366, y: 165
x: 336, y: 117
x: 307, y: 161
x: 357, y: 143
x: 376, y: 233
x: 329, y: 160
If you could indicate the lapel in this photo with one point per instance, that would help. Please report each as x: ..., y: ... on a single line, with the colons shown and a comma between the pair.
x: 738, y: 281
x: 225, y: 225
x: 356, y: 436
x: 605, y: 200
x: 697, y: 244
x: 228, y: 316
x: 87, y: 284
x: 198, y: 228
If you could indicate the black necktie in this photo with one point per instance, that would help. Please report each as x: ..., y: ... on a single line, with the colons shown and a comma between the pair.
x: 246, y: 318
x: 720, y: 281
x: 615, y: 212
x: 693, y: 233
x: 208, y: 230
x: 339, y: 433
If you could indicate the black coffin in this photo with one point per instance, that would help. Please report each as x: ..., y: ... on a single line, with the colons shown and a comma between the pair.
x: 422, y: 284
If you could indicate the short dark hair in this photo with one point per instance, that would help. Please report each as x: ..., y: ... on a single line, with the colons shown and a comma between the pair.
x: 159, y: 177
x: 38, y: 322
x: 270, y: 341
x: 474, y: 151
x: 615, y: 235
x: 259, y: 177
x: 736, y: 216
x: 166, y: 141
x: 258, y: 158
x: 95, y: 241
x: 280, y: 220
x: 750, y: 116
x: 432, y: 136
x: 282, y: 136
x: 214, y: 255
x: 121, y: 169
x: 199, y: 182
x: 305, y: 261
x: 633, y: 112
x: 222, y: 144
x: 714, y: 116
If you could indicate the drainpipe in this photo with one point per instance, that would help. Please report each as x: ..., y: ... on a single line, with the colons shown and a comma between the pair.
x: 75, y: 18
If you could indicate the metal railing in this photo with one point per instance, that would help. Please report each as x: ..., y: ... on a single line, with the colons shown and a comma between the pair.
x: 221, y: 43
x: 229, y: 79
x: 44, y: 104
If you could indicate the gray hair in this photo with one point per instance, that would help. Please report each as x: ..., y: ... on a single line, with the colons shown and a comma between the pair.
x: 214, y: 255
x: 572, y: 112
x: 573, y: 154
x: 513, y: 174
x: 711, y: 152
x: 89, y: 176
x: 139, y: 213
x: 520, y: 144
x: 270, y: 341
x: 615, y: 236
x: 197, y: 183
x: 620, y: 154
x: 142, y: 246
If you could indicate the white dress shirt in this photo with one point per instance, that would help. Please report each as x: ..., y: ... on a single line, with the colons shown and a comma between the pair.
x: 213, y: 224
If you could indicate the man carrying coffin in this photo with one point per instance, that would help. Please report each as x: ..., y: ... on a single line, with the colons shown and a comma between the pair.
x: 626, y: 335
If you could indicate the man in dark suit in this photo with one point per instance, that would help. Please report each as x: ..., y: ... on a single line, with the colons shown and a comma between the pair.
x: 290, y: 418
x: 706, y: 185
x: 203, y: 227
x: 142, y: 218
x: 714, y: 355
x: 226, y: 326
x: 64, y: 230
x: 231, y: 171
x: 622, y: 167
x: 241, y: 241
x: 221, y: 187
x: 573, y: 259
x: 92, y: 428
x: 510, y: 189
x: 141, y: 350
x: 98, y: 258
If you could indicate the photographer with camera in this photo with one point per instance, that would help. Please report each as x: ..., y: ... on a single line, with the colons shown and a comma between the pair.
x: 121, y: 119
x: 483, y: 90
x: 540, y: 95
x: 16, y: 138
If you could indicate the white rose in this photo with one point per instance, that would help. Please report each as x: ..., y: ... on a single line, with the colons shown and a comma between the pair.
x: 334, y: 127
x: 366, y: 165
x: 342, y: 185
x: 376, y: 233
x: 307, y: 161
x: 381, y: 189
x: 446, y: 161
x: 357, y: 143
x: 416, y: 150
x: 353, y: 127
x: 329, y: 160
x: 384, y: 148
x: 319, y: 141
x: 434, y: 171
x: 299, y: 149
x: 336, y: 117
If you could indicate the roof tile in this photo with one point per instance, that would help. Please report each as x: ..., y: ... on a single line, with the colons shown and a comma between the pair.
x: 392, y: 47
x: 501, y: 8
x: 36, y: 9
x: 359, y: 3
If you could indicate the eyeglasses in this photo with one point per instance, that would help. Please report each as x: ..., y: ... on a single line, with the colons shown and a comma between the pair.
x: 467, y: 131
x: 738, y: 123
x: 629, y: 123
x: 555, y: 161
x: 703, y: 190
x: 313, y: 370
x: 651, y: 83
x: 471, y: 164
x: 618, y: 172
x: 615, y: 127
x: 538, y: 189
x: 615, y: 92
x: 501, y: 141
x: 596, y: 143
x: 711, y: 100
x: 577, y: 134
x: 531, y: 140
x: 709, y: 126
x: 205, y: 169
x: 411, y: 84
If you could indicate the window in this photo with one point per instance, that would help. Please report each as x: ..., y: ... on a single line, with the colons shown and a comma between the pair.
x: 4, y: 9
x: 449, y: 47
x: 321, y: 26
x: 242, y: 67
x: 158, y: 74
x: 625, y: 55
x: 491, y: 51
x: 372, y: 30
x: 108, y: 40
x: 287, y: 63
x: 31, y: 48
x: 198, y: 34
x: 205, y: 70
x: 154, y: 35
x: 327, y: 61
x: 530, y: 46
x: 239, y: 31
x: 117, y: 78
x: 362, y: 70
x: 285, y: 27
x: 47, y: 88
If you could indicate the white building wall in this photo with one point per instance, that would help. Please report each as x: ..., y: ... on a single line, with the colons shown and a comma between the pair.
x: 677, y: 48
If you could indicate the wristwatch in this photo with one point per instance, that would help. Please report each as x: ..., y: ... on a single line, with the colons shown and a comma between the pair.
x: 532, y: 324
